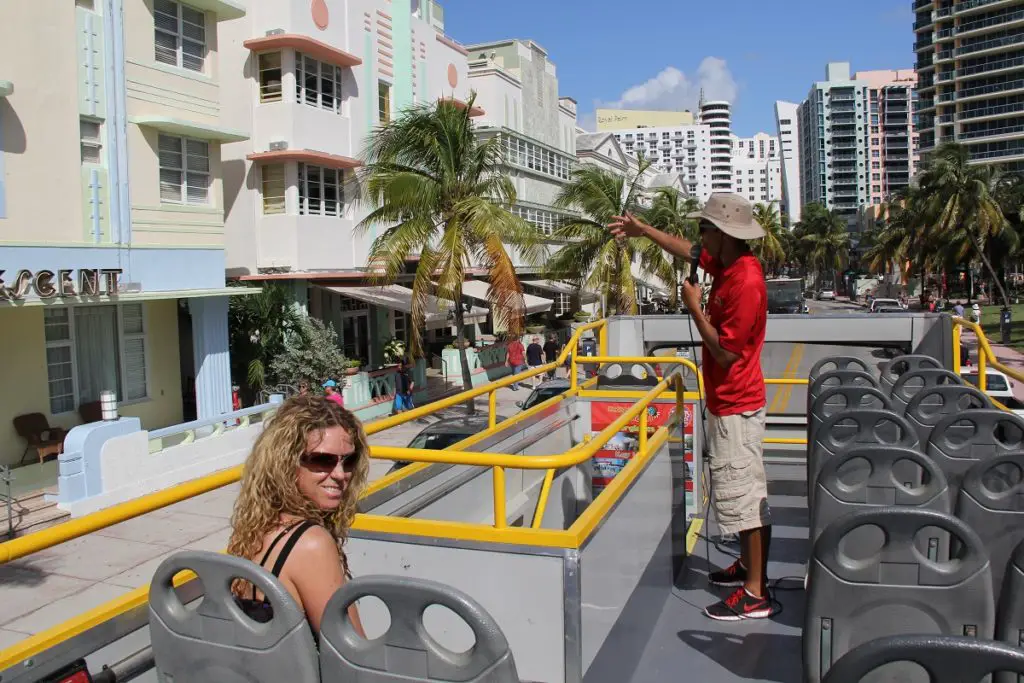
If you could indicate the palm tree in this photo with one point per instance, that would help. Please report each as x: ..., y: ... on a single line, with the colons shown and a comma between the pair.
x: 592, y: 257
x: 445, y: 197
x: 668, y: 212
x: 824, y: 238
x: 769, y: 249
x: 960, y: 205
x: 260, y: 325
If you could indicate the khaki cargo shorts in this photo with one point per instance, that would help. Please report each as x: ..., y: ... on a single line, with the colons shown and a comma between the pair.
x: 739, y: 488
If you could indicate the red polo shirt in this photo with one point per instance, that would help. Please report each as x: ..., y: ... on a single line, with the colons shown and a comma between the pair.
x: 738, y: 310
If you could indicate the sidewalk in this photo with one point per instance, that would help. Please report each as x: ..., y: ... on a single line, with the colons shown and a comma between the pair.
x: 47, y: 588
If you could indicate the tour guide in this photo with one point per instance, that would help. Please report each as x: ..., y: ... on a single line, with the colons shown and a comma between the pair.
x: 732, y: 330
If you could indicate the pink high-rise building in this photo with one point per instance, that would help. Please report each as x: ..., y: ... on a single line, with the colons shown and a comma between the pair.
x: 892, y: 140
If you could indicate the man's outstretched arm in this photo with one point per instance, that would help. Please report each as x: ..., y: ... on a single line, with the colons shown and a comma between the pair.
x: 631, y: 226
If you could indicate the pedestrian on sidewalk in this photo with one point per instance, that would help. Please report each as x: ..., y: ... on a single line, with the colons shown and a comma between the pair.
x: 958, y: 310
x: 404, y: 386
x: 535, y: 358
x: 516, y: 357
x: 332, y: 394
x: 551, y: 350
x: 976, y: 313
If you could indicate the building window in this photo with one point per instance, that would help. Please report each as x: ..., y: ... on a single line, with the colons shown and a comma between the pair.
x: 180, y: 35
x: 876, y: 164
x: 270, y: 77
x: 383, y: 101
x: 875, y: 154
x: 317, y: 83
x: 90, y: 349
x: 876, y: 176
x: 321, y: 191
x: 184, y: 170
x: 876, y: 188
x: 272, y: 183
x: 90, y: 141
x: 563, y: 304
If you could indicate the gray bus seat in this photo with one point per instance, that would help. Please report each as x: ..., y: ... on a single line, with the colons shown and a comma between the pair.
x: 958, y: 441
x: 1010, y: 609
x: 406, y: 652
x: 944, y: 659
x: 216, y: 641
x: 840, y: 398
x: 627, y: 375
x: 893, y: 369
x: 992, y: 503
x: 894, y: 591
x: 931, y: 404
x: 836, y: 363
x: 913, y: 382
x: 836, y: 378
x: 851, y: 429
x: 869, y: 477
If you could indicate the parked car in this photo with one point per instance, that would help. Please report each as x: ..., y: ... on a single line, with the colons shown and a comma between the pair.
x: 445, y: 434
x: 884, y: 303
x: 826, y: 293
x: 544, y: 391
x: 997, y: 385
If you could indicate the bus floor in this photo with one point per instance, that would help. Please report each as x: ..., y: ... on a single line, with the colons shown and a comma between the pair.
x: 665, y: 637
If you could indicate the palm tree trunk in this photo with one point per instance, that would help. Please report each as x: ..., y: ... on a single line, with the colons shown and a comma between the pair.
x: 460, y: 344
x: 992, y: 272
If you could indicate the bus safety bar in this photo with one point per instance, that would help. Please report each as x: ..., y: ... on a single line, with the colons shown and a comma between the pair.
x: 985, y: 357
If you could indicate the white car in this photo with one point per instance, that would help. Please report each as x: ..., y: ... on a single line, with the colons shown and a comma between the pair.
x: 884, y: 303
x: 826, y: 293
x: 997, y: 385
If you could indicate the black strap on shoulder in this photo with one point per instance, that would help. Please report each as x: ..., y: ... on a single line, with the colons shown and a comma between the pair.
x: 273, y: 544
x: 287, y: 549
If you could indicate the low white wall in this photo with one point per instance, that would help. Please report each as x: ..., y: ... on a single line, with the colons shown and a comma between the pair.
x: 129, y: 470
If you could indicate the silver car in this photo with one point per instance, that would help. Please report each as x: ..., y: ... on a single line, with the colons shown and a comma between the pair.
x: 445, y: 434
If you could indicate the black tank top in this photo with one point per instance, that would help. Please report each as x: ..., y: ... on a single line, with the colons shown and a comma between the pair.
x: 261, y: 610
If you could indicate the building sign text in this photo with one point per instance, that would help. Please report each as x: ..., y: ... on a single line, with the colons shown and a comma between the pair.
x: 48, y: 284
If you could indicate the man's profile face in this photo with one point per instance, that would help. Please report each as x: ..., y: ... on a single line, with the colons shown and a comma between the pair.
x: 710, y: 237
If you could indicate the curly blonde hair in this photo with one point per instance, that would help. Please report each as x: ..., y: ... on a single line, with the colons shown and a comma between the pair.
x: 270, y: 484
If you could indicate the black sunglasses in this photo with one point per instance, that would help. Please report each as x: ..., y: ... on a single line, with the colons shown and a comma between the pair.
x: 326, y: 462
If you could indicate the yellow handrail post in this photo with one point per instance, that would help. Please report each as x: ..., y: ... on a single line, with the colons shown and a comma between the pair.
x: 500, y: 516
x: 643, y: 431
x: 542, y: 500
x: 572, y: 369
x: 957, y: 333
x: 492, y: 409
x: 981, y: 369
x: 602, y: 340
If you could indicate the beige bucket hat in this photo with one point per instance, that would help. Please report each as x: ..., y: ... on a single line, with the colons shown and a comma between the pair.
x: 732, y: 214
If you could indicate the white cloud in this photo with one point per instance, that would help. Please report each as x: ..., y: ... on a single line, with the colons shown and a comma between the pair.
x: 672, y: 89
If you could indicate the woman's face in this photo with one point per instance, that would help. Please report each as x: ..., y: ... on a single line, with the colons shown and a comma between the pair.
x: 326, y: 467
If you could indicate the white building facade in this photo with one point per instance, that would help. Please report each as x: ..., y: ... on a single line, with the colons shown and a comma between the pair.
x: 757, y: 168
x: 683, y: 150
x: 787, y: 125
x: 717, y: 115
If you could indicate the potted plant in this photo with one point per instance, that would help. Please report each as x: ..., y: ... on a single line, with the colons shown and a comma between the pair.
x: 581, y: 316
x: 535, y: 329
x: 352, y: 366
x: 394, y: 351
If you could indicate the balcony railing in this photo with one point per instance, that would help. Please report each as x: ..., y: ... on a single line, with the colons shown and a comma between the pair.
x: 991, y: 66
x: 991, y: 111
x: 990, y: 21
x: 972, y: 4
x: 991, y: 132
x: 1015, y: 39
x: 993, y: 88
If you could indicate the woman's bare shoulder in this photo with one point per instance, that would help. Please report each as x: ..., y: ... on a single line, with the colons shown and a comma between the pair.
x: 317, y: 544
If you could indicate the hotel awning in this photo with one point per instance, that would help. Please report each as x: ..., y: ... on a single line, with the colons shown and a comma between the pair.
x: 192, y: 129
x: 308, y: 156
x: 477, y: 289
x: 399, y: 298
x: 304, y: 44
x: 586, y: 297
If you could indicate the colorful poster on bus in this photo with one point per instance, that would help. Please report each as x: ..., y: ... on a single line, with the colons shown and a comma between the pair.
x: 603, y: 413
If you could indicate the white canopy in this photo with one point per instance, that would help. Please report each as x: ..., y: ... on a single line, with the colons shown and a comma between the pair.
x: 399, y: 298
x: 477, y: 289
x: 586, y: 297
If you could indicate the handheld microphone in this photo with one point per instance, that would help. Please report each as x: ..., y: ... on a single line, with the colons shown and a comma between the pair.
x: 695, y: 252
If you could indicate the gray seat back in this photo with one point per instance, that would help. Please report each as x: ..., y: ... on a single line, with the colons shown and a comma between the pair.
x: 958, y: 441
x: 836, y: 363
x: 216, y: 641
x: 406, y: 652
x: 869, y: 477
x: 835, y: 378
x: 944, y: 659
x: 840, y: 398
x: 895, y: 590
x: 851, y: 429
x: 894, y: 368
x: 1010, y: 609
x: 991, y: 501
x: 913, y: 382
x: 931, y: 404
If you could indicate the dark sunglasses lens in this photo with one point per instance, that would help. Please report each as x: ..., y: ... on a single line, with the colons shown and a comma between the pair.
x: 328, y: 461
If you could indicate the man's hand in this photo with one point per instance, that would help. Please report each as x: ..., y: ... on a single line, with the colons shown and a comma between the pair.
x: 693, y: 296
x: 627, y: 226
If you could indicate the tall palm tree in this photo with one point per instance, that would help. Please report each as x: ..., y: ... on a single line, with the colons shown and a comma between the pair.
x: 592, y: 257
x: 668, y: 212
x: 769, y: 249
x: 824, y: 239
x: 445, y: 197
x: 960, y: 205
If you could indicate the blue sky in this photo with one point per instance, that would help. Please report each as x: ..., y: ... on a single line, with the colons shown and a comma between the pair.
x: 656, y: 54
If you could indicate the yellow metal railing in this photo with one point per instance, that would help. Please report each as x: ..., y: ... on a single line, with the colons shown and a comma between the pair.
x: 986, y: 357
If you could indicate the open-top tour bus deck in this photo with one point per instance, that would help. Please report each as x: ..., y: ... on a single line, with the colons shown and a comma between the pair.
x: 572, y: 542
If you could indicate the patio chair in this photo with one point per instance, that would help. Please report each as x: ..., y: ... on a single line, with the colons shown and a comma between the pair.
x: 38, y: 434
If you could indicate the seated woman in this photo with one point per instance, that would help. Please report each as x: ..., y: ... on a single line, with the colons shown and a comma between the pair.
x: 298, y: 499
